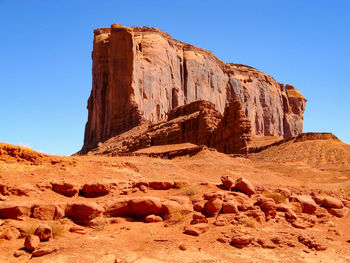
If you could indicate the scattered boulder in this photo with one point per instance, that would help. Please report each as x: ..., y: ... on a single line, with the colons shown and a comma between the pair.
x: 172, y: 209
x: 43, y: 251
x: 66, y: 189
x: 95, y: 189
x: 199, y: 205
x: 182, y: 247
x: 269, y: 208
x: 331, y: 202
x: 118, y: 207
x: 44, y: 232
x: 198, y: 218
x: 227, y: 181
x: 77, y: 229
x: 44, y: 211
x: 14, y: 210
x: 83, y: 212
x: 197, y: 229
x: 143, y: 206
x: 290, y: 215
x: 19, y: 253
x: 337, y: 212
x: 212, y: 195
x: 241, y: 240
x: 229, y: 207
x: 213, y: 207
x: 307, y: 203
x: 161, y: 185
x: 311, y: 243
x: 153, y: 219
x: 245, y: 186
x: 31, y: 242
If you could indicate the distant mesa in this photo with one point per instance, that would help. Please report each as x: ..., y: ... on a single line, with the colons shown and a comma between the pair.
x: 142, y: 77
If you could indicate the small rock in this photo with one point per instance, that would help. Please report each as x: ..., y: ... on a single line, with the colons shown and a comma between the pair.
x: 223, y: 240
x: 331, y: 202
x: 183, y: 247
x: 337, y: 212
x: 31, y: 242
x: 307, y: 203
x: 19, y: 253
x: 241, y: 240
x: 77, y: 229
x: 66, y: 189
x: 198, y: 218
x: 269, y: 208
x: 143, y: 188
x: 43, y: 251
x: 197, y: 229
x: 245, y: 186
x: 213, y: 207
x: 161, y: 185
x: 95, y: 189
x: 227, y: 181
x: 153, y: 219
x: 44, y: 232
x: 229, y: 207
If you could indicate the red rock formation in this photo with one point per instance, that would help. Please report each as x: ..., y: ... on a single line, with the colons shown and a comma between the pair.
x: 198, y: 123
x: 141, y: 73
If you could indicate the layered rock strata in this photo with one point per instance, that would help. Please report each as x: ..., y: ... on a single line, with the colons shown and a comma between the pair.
x: 198, y: 123
x: 141, y: 73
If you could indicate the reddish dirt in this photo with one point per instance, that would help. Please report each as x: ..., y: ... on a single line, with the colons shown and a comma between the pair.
x: 315, y: 168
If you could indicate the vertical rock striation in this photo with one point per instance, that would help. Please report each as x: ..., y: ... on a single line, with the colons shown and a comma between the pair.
x: 141, y: 74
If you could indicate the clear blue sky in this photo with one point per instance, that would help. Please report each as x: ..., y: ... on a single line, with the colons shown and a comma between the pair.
x: 45, y: 51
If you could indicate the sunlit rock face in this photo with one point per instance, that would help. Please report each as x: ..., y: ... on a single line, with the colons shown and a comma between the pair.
x: 140, y: 74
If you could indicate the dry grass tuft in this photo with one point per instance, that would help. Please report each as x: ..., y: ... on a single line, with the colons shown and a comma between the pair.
x: 190, y: 190
x: 249, y: 222
x: 57, y: 228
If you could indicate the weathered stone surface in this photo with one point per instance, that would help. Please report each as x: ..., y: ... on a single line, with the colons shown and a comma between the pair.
x: 31, y: 242
x: 14, y: 210
x: 95, y: 189
x: 213, y: 207
x: 153, y: 219
x: 44, y: 232
x: 245, y: 186
x: 83, y: 212
x: 197, y: 229
x: 143, y: 206
x: 141, y: 74
x: 241, y: 240
x: 307, y: 203
x: 331, y: 202
x: 227, y: 181
x: 66, y: 189
x: 229, y: 207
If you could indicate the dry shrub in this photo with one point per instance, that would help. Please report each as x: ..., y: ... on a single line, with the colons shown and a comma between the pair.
x: 190, y: 190
x: 278, y: 197
x: 57, y: 228
x: 249, y: 222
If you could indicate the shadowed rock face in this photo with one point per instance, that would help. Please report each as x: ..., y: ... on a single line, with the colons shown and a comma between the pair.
x: 141, y: 74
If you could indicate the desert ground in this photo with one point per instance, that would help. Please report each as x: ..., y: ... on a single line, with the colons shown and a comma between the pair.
x: 291, y: 205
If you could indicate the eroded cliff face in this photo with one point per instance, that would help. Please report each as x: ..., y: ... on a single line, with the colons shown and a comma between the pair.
x: 141, y: 73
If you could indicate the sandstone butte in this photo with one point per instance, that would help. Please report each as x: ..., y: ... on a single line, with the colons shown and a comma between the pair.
x: 141, y: 74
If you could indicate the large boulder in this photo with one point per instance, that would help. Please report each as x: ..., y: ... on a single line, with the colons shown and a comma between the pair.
x: 245, y: 186
x: 307, y: 203
x: 31, y: 242
x: 143, y: 206
x: 227, y: 181
x: 83, y: 212
x: 14, y: 210
x: 95, y: 189
x: 213, y: 207
x: 331, y: 202
x: 118, y: 207
x: 66, y: 189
